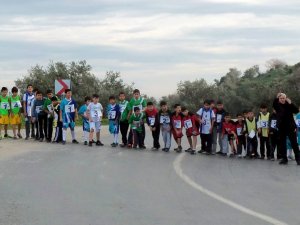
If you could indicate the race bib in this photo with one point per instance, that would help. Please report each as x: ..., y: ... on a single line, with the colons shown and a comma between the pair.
x: 137, y: 124
x: 49, y: 107
x: 188, y: 124
x: 151, y: 121
x: 70, y: 108
x: 5, y: 105
x: 298, y: 123
x: 239, y: 131
x: 274, y: 124
x: 15, y: 105
x: 258, y: 124
x: 38, y: 109
x: 264, y: 124
x: 219, y: 118
x: 252, y: 134
x: 122, y: 108
x: 164, y: 119
x: 112, y: 115
x: 97, y: 113
x: 177, y: 124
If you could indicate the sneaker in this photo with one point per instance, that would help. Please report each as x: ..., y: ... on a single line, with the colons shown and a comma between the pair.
x: 85, y: 143
x: 63, y: 142
x: 75, y: 141
x: 99, y: 143
x: 202, y: 151
x: 179, y: 149
x: 167, y: 149
x: 123, y: 145
x: 283, y: 162
x: 41, y: 140
x: 224, y: 154
x: 272, y: 159
x: 130, y: 146
x: 90, y: 143
x: 193, y: 152
x: 298, y: 162
x: 114, y: 145
x: 188, y: 150
x: 219, y: 153
x: 134, y: 146
x: 240, y: 156
x: 142, y: 147
x: 15, y: 138
x: 290, y: 157
x: 20, y: 136
x: 26, y: 138
x: 7, y: 136
x: 154, y: 149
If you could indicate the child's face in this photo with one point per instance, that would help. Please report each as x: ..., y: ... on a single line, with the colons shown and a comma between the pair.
x: 206, y: 106
x: 4, y: 93
x: 150, y: 107
x: 137, y: 112
x: 136, y: 95
x: 39, y: 96
x: 263, y: 110
x: 250, y: 115
x: 227, y: 118
x: 245, y: 114
x: 68, y: 94
x: 88, y: 102
x: 185, y: 112
x: 212, y: 105
x: 49, y: 95
x: 240, y: 118
x: 29, y: 89
x: 178, y: 109
x: 112, y: 101
x: 220, y: 106
x: 15, y: 94
x: 122, y: 97
x: 164, y: 108
x: 54, y: 103
x: 95, y: 100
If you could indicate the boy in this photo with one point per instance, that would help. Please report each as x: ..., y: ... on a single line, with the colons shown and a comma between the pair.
x: 165, y: 125
x: 152, y: 119
x: 191, y: 125
x: 49, y: 111
x: 124, y: 125
x: 207, y: 120
x: 228, y: 135
x: 274, y: 135
x: 251, y: 130
x: 95, y: 113
x: 217, y: 131
x: 136, y: 122
x: 85, y: 119
x: 240, y: 132
x: 68, y: 115
x: 57, y: 124
x: 140, y: 102
x: 4, y: 111
x: 40, y: 116
x: 263, y: 131
x: 176, y: 121
x: 28, y: 98
x: 113, y: 113
x: 15, y: 116
x: 298, y: 126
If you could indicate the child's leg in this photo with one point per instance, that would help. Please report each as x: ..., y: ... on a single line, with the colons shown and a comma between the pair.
x: 134, y: 138
x: 91, y: 135
x: 225, y: 144
x: 41, y: 127
x: 14, y: 127
x: 98, y: 135
x: 203, y: 143
x: 179, y: 142
x: 64, y: 134
x: 190, y: 142
x: 194, y: 142
x: 168, y: 139
x: 73, y: 133
x: 5, y: 128
x: 156, y: 137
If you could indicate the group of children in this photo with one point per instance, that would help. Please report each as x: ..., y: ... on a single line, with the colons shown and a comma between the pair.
x: 211, y: 122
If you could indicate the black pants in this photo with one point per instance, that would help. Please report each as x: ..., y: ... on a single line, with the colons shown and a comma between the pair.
x: 274, y: 145
x: 124, y: 130
x: 292, y: 135
x: 58, y: 132
x: 42, y: 126
x: 252, y: 146
x: 265, y: 142
x: 49, y: 128
x: 206, y: 142
x: 155, y: 135
x: 28, y: 125
x: 138, y: 138
x: 241, y: 144
x: 130, y: 135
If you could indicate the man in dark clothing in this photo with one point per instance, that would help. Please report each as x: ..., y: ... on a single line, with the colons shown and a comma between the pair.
x: 286, y: 126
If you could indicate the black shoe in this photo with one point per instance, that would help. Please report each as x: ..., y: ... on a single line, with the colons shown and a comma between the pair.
x: 99, y: 143
x: 262, y: 158
x: 114, y: 145
x: 219, y: 153
x: 134, y: 146
x: 298, y: 162
x: 123, y: 145
x: 283, y: 162
x: 90, y: 143
x: 63, y: 142
x: 143, y: 147
x: 202, y: 151
x: 41, y: 139
x: 75, y: 141
x: 188, y: 150
x: 85, y: 143
x: 26, y: 138
x: 193, y: 152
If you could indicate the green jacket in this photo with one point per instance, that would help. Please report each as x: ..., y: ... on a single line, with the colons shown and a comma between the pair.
x: 136, y: 122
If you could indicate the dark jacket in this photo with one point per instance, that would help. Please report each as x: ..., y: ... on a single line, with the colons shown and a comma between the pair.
x: 285, y: 117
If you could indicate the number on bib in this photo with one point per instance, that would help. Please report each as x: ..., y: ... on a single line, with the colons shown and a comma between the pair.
x: 219, y: 118
x: 177, y: 124
x: 4, y: 105
x: 38, y: 109
x: 164, y: 119
x: 264, y: 124
x: 239, y: 131
x: 274, y: 124
x: 151, y: 121
x: 188, y: 124
x: 70, y: 108
x: 112, y: 115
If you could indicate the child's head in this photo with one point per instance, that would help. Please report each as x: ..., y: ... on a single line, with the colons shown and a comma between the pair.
x: 29, y: 88
x: 163, y: 106
x: 49, y: 93
x: 206, y: 104
x: 122, y: 96
x: 136, y: 93
x: 54, y: 101
x: 87, y: 100
x: 39, y: 95
x: 220, y: 105
x: 150, y: 106
x: 240, y: 117
x: 227, y: 117
x: 250, y: 114
x: 136, y: 110
x: 263, y: 108
x: 68, y: 93
x: 177, y: 108
x: 212, y: 104
x: 14, y: 91
x: 184, y: 111
x: 245, y: 113
x: 112, y: 100
x: 4, y: 91
x: 95, y: 98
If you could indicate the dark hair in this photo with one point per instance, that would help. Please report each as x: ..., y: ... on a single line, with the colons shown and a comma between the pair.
x: 219, y: 102
x: 49, y: 91
x: 239, y: 114
x: 14, y: 90
x: 136, y: 91
x: 29, y: 85
x: 95, y: 96
x: 263, y: 106
x: 226, y: 114
x: 212, y: 101
x: 183, y: 109
x: 67, y: 90
x: 112, y: 97
x: 54, y: 98
x: 135, y: 109
x: 176, y: 105
x: 87, y: 98
x: 245, y: 111
x: 35, y: 90
x: 121, y: 93
x: 163, y: 103
x: 149, y: 103
x: 4, y: 89
x: 38, y: 92
x: 206, y: 102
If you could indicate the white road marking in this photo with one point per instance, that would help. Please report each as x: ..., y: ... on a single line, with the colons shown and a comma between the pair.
x: 189, y: 181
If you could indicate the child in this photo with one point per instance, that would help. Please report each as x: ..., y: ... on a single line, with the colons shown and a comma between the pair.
x: 57, y: 124
x: 95, y: 112
x: 176, y: 120
x: 49, y: 111
x: 240, y: 132
x: 165, y: 125
x: 68, y: 115
x: 228, y: 135
x: 298, y: 126
x: 152, y: 118
x: 217, y: 132
x: 263, y: 132
x: 113, y: 112
x: 39, y: 115
x: 274, y: 138
x: 207, y: 120
x: 289, y: 149
x: 140, y: 102
x: 28, y: 98
x: 85, y: 119
x: 124, y: 125
x: 251, y: 130
x: 4, y: 111
x: 191, y: 125
x: 15, y: 119
x: 136, y: 122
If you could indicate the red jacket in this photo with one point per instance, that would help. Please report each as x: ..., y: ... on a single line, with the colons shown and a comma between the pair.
x: 191, y: 124
x: 228, y: 128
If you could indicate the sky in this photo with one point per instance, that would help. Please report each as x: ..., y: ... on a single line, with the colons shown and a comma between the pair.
x: 155, y: 44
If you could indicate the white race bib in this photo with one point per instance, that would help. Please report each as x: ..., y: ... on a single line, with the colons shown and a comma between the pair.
x: 188, y: 124
x: 164, y: 119
x: 258, y: 124
x: 219, y: 118
x: 49, y: 107
x: 96, y: 114
x: 15, y: 105
x: 252, y: 134
x: 151, y: 121
x: 70, y: 108
x: 274, y: 124
x: 264, y: 124
x: 5, y: 105
x: 177, y: 124
x: 122, y: 108
x: 112, y: 115
x: 38, y: 109
x: 239, y: 131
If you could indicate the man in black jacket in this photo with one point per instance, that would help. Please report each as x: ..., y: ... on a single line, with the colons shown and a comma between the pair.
x: 286, y: 126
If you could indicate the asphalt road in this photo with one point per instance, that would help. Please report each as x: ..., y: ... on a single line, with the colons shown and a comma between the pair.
x: 50, y: 184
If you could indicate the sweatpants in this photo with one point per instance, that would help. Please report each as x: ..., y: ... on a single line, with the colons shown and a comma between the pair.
x: 241, y: 144
x: 124, y: 125
x: 28, y: 125
x: 42, y: 126
x: 206, y: 142
x: 265, y: 143
x: 216, y: 138
x: 155, y: 135
x: 58, y: 133
x: 252, y: 146
x: 292, y: 135
x: 138, y: 138
x: 166, y: 135
x: 274, y: 138
x: 49, y: 128
x: 225, y: 144
x: 130, y: 135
